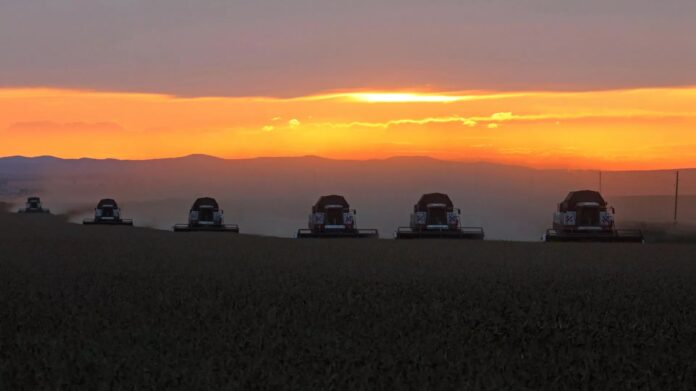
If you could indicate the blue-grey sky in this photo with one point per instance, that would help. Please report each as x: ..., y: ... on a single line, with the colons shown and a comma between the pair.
x: 298, y: 47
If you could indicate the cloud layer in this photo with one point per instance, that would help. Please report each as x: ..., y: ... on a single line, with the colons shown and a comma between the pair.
x: 300, y: 47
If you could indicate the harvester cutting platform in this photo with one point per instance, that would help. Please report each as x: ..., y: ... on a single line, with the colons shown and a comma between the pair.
x: 107, y: 212
x: 585, y: 217
x: 332, y: 218
x: 33, y: 205
x: 205, y: 215
x: 434, y: 216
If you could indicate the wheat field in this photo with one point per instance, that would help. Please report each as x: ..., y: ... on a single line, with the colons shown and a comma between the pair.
x: 131, y: 308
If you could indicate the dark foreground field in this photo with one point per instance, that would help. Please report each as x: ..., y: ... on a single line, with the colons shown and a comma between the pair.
x: 112, y: 307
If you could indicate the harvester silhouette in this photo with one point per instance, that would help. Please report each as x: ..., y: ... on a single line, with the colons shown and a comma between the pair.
x: 33, y: 205
x: 107, y: 212
x: 434, y: 216
x: 584, y: 216
x: 332, y: 218
x: 206, y: 215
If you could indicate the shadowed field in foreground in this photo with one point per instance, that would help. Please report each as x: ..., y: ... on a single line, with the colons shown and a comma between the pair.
x: 126, y: 307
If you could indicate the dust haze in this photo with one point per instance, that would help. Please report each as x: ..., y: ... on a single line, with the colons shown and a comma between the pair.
x: 273, y: 196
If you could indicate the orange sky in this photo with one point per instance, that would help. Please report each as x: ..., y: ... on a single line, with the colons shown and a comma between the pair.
x: 611, y: 130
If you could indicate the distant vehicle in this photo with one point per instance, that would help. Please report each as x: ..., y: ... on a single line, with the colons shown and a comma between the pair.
x: 107, y: 212
x: 584, y: 216
x: 33, y: 205
x: 206, y: 215
x: 332, y: 218
x: 434, y: 216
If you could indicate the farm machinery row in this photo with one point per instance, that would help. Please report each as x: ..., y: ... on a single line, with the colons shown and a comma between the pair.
x: 434, y: 217
x: 583, y: 216
x: 107, y: 212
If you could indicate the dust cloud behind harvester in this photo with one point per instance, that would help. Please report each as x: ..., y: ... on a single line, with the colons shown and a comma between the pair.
x: 270, y: 195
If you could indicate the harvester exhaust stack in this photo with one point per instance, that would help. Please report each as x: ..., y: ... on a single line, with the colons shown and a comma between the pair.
x: 434, y: 216
x: 33, y: 205
x: 206, y: 216
x: 585, y: 217
x: 107, y: 212
x: 332, y: 218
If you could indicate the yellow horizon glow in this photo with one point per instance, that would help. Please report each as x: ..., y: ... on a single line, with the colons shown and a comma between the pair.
x: 393, y: 97
x: 614, y: 129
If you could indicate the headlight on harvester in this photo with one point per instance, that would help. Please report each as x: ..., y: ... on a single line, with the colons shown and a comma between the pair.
x: 569, y: 218
x: 317, y: 218
x: 606, y: 219
x: 420, y: 218
x: 452, y: 219
x: 348, y: 219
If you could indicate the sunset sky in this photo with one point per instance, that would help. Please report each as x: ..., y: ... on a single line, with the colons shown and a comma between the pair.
x: 580, y: 84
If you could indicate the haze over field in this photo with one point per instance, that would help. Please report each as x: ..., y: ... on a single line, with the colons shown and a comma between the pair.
x: 273, y: 196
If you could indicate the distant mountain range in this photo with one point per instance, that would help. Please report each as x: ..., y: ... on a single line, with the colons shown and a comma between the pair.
x: 273, y: 195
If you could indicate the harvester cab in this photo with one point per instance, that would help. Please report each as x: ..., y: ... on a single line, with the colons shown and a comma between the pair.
x: 107, y: 212
x: 584, y: 216
x: 33, y: 205
x: 332, y: 217
x: 206, y: 215
x: 434, y: 216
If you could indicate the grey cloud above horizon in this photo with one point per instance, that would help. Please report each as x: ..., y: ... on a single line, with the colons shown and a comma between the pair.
x: 294, y: 48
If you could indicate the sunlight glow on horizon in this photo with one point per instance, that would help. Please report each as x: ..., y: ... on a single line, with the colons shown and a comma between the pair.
x: 386, y: 97
x: 616, y: 129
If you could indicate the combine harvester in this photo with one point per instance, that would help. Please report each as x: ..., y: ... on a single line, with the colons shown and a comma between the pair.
x: 332, y: 218
x: 206, y: 216
x: 107, y: 212
x: 434, y: 216
x: 33, y: 205
x: 585, y: 217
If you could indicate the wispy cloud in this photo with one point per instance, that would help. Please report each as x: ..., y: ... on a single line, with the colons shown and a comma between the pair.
x: 294, y: 123
x: 495, y: 118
